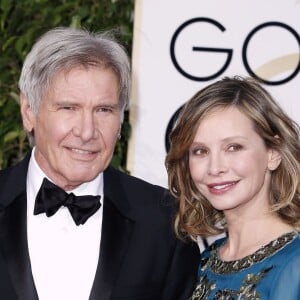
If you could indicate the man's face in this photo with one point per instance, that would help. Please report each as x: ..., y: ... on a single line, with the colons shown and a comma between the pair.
x: 76, y: 126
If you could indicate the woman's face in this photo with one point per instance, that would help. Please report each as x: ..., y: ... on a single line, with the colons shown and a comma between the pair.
x: 229, y: 162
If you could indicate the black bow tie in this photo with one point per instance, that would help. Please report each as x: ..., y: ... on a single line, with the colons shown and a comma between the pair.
x: 51, y: 197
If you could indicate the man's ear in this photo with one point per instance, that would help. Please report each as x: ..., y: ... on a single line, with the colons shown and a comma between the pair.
x: 274, y: 159
x: 28, y: 116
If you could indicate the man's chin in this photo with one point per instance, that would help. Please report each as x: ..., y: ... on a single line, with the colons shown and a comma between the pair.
x: 74, y: 181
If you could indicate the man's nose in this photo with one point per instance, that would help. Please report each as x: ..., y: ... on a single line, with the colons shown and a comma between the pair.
x: 86, y: 127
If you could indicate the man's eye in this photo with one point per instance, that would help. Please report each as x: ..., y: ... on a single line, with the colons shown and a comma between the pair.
x: 105, y: 109
x: 66, y: 107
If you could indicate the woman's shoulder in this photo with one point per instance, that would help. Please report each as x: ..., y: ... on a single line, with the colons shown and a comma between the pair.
x: 285, y: 250
x: 293, y: 248
x: 286, y: 281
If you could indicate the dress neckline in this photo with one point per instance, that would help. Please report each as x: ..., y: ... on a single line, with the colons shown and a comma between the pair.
x: 220, y: 266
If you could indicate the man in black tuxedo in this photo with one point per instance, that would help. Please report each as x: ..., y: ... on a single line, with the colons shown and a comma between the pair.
x: 115, y: 243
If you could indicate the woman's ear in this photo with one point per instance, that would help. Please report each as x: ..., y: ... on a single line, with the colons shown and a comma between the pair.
x: 274, y: 159
x: 28, y: 117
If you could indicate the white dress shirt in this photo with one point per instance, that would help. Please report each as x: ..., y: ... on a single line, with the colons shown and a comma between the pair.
x: 63, y: 256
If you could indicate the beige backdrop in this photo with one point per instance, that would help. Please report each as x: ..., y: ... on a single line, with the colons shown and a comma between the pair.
x: 181, y: 46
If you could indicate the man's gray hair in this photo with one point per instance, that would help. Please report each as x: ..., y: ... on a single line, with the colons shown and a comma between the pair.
x: 64, y: 48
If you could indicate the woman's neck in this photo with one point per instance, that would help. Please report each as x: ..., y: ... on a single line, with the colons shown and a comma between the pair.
x: 245, y: 236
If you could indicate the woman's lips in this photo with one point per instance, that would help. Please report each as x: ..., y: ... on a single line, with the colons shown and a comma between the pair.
x: 221, y: 187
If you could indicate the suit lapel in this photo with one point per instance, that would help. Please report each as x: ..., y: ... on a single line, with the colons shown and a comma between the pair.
x: 13, y: 233
x: 117, y: 226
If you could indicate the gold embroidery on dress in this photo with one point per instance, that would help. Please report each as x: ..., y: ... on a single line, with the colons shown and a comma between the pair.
x: 248, y: 289
x: 219, y: 266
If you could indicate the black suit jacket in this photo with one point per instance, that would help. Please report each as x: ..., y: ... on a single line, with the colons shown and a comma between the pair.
x: 140, y: 258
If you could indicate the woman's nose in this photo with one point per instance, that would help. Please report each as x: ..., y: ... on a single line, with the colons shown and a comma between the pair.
x: 217, y: 164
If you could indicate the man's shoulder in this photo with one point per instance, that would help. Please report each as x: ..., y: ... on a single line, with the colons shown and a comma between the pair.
x: 19, y: 168
x: 13, y: 181
x: 138, y: 192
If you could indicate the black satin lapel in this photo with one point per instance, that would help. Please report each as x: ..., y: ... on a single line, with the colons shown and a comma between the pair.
x: 13, y: 241
x: 116, y: 232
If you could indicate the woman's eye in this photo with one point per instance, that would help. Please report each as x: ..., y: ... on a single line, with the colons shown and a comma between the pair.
x: 234, y: 147
x: 199, y: 151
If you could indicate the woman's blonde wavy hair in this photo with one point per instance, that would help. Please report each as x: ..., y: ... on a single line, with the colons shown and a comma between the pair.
x: 195, y: 216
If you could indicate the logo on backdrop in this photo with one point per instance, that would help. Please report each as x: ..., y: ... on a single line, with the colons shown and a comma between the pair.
x: 179, y: 35
x: 185, y: 46
x: 182, y: 51
x: 282, y: 63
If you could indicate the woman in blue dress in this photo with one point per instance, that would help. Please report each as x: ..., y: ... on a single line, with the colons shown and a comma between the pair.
x: 234, y: 168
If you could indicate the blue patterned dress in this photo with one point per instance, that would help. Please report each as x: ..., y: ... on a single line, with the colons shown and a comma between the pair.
x: 271, y: 273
